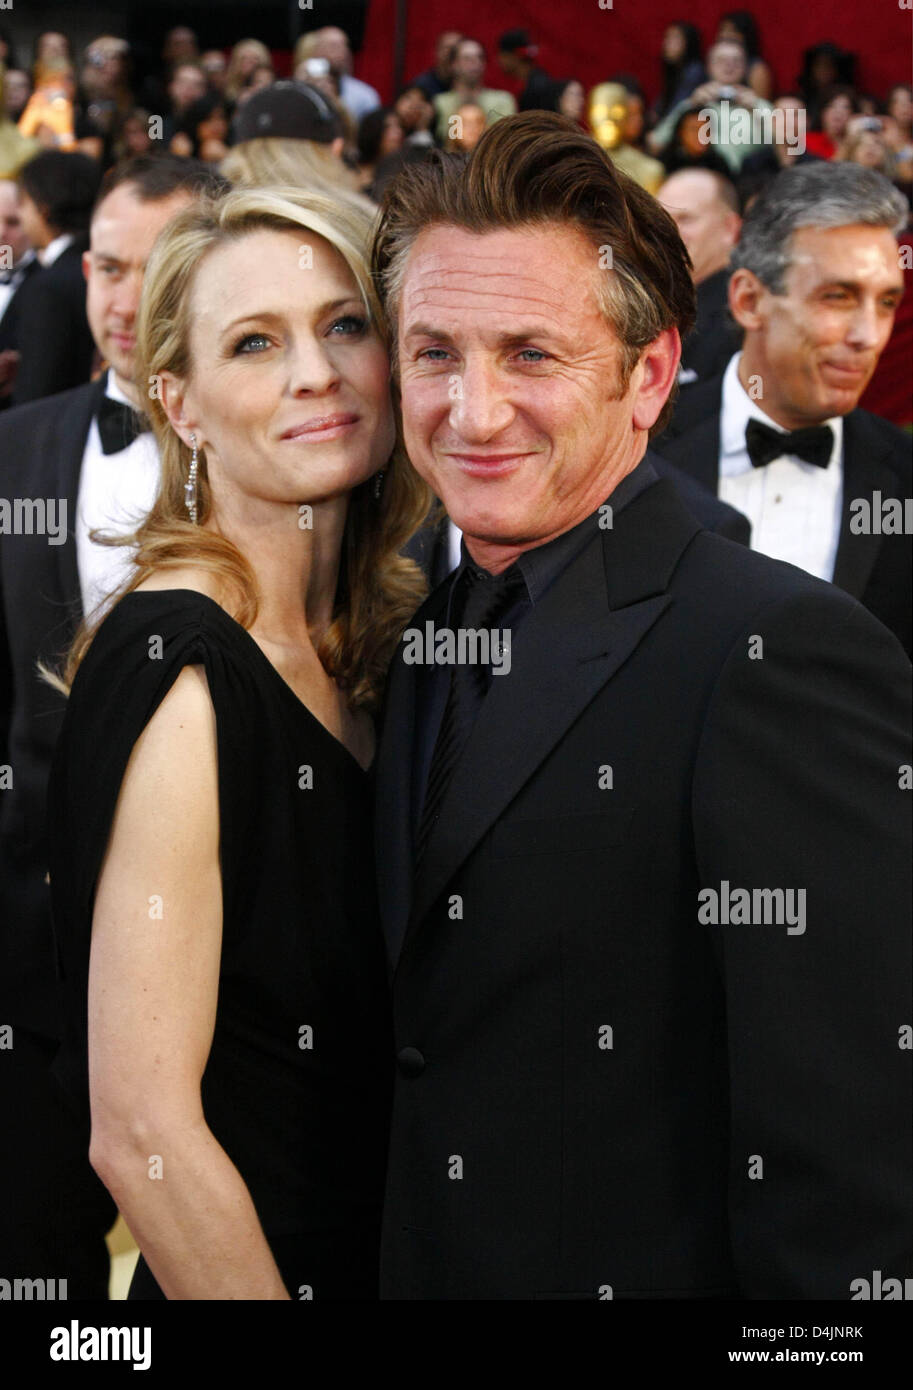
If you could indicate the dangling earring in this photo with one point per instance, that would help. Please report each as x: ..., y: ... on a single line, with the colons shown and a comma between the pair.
x: 379, y: 484
x: 190, y: 487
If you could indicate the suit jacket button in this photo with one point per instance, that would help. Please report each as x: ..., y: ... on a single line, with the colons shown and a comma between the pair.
x: 410, y: 1061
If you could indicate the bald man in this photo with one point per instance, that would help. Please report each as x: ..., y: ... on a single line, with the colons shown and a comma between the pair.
x: 705, y: 207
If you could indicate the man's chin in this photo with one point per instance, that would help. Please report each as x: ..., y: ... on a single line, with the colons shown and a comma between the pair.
x: 123, y: 366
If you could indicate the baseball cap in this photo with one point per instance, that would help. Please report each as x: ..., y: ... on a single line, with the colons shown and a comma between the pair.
x: 287, y: 110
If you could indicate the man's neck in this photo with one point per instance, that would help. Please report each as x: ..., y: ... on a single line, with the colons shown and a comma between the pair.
x: 128, y: 388
x: 705, y: 275
x: 751, y: 371
x: 497, y: 556
x: 467, y: 89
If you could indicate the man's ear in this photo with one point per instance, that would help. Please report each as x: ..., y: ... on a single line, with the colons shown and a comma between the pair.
x: 746, y: 295
x: 172, y: 392
x: 654, y: 377
x: 86, y: 264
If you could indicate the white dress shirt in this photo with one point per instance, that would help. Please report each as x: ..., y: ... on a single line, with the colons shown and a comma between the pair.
x: 54, y: 249
x: 115, y: 493
x: 794, y: 507
x: 357, y: 96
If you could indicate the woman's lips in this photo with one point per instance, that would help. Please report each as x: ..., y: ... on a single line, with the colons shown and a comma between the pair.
x: 322, y: 427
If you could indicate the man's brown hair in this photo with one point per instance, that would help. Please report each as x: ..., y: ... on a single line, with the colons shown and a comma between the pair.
x: 539, y: 168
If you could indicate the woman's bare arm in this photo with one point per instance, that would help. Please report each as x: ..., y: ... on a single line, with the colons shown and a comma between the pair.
x: 153, y: 986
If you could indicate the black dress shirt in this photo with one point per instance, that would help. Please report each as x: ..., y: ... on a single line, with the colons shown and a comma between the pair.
x: 540, y: 567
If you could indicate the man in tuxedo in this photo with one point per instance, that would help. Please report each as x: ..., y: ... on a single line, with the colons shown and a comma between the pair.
x: 705, y: 207
x: 87, y: 451
x: 22, y: 263
x: 57, y: 190
x: 642, y: 847
x: 815, y: 284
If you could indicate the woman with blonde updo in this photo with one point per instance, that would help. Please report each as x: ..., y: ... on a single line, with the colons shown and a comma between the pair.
x: 210, y: 806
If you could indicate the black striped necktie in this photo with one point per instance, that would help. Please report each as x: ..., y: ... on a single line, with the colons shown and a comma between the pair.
x: 479, y: 600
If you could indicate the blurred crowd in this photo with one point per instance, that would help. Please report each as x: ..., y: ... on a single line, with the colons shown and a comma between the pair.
x: 67, y: 118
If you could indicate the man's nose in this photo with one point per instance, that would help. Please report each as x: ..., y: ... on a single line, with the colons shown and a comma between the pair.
x: 125, y: 302
x: 869, y: 325
x: 479, y: 409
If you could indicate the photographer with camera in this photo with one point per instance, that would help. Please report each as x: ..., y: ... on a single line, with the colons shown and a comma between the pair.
x: 725, y: 99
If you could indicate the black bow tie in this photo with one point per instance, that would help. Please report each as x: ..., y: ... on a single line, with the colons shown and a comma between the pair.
x: 118, y: 425
x: 765, y: 444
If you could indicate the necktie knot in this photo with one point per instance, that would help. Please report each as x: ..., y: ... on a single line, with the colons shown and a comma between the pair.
x: 764, y: 444
x: 481, y: 599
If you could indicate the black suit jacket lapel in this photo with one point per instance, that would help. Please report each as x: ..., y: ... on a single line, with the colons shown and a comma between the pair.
x: 864, y: 472
x: 571, y: 643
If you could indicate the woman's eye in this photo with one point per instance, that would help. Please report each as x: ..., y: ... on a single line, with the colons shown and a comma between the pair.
x: 350, y: 324
x: 242, y: 345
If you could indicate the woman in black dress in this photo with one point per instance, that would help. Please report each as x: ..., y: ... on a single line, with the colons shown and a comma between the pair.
x: 210, y: 821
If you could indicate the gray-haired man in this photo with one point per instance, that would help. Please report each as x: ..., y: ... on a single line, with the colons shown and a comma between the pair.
x: 815, y: 283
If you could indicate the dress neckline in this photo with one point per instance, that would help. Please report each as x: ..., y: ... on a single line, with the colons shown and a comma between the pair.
x: 265, y: 661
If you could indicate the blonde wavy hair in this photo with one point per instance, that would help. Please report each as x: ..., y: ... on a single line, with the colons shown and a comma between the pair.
x: 271, y: 160
x: 378, y: 589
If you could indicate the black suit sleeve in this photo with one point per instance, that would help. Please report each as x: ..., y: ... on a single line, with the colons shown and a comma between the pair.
x: 6, y: 682
x: 798, y: 786
x: 53, y: 339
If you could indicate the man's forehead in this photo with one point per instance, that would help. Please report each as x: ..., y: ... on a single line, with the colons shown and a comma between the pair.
x: 450, y: 266
x: 854, y: 252
x: 123, y: 219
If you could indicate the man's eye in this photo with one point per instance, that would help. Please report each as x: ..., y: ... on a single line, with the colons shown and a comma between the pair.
x: 350, y: 324
x: 533, y: 355
x: 428, y: 354
x: 837, y: 294
x: 242, y: 345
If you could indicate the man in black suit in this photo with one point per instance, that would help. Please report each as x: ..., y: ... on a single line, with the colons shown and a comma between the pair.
x: 705, y: 207
x: 79, y: 459
x: 815, y: 284
x: 641, y: 833
x: 53, y: 338
x: 20, y: 262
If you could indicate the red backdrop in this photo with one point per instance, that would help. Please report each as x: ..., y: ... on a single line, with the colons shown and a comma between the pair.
x: 578, y: 39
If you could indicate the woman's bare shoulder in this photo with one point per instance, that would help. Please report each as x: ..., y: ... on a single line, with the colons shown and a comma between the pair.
x: 201, y: 581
